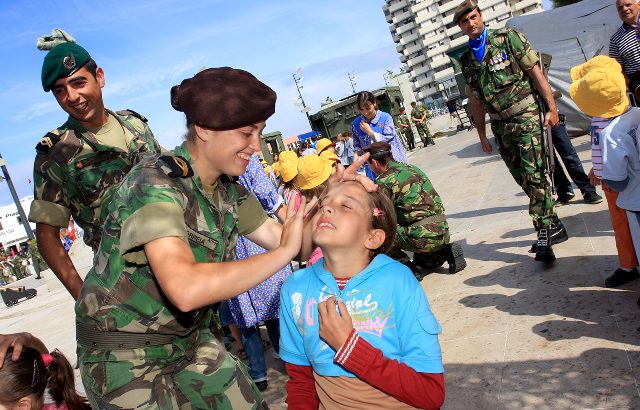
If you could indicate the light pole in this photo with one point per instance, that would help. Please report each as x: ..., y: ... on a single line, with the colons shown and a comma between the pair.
x: 297, y: 79
x: 352, y: 80
x: 23, y: 216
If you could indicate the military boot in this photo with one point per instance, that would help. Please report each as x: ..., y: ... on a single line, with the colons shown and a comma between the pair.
x: 544, y: 253
x: 557, y: 234
x: 455, y: 259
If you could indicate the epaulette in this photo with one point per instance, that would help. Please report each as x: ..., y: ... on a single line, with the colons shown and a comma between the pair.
x: 178, y: 166
x: 47, y: 142
x: 129, y: 111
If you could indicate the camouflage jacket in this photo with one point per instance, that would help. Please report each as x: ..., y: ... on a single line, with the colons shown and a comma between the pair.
x: 500, y: 80
x: 418, y: 112
x: 74, y: 175
x: 402, y: 119
x: 411, y: 192
x: 121, y: 293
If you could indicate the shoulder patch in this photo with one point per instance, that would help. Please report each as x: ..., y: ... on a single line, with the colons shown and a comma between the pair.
x: 129, y: 111
x: 177, y: 166
x: 47, y: 142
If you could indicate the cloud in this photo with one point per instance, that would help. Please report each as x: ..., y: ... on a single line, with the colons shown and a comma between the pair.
x: 36, y: 110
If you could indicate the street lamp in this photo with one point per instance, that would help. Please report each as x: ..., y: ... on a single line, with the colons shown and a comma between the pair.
x: 23, y: 216
x: 297, y: 79
x: 352, y: 79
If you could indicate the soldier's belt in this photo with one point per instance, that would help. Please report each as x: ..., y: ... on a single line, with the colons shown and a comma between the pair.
x: 516, y: 108
x: 90, y: 336
x: 429, y: 220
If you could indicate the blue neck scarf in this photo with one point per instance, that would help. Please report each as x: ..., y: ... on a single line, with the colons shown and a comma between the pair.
x: 479, y: 45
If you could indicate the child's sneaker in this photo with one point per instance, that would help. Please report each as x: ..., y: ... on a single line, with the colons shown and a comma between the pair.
x: 620, y: 277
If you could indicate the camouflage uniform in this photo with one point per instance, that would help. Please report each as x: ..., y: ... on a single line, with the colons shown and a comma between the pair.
x: 161, y: 197
x: 407, y: 133
x: 422, y: 226
x: 417, y: 112
x: 501, y: 82
x: 74, y: 174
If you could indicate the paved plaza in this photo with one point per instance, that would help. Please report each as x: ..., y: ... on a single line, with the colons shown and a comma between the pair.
x: 516, y: 334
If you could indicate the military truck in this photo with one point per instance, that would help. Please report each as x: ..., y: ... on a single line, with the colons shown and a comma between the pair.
x: 336, y: 117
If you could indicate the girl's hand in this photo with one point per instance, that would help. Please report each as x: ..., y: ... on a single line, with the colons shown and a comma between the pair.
x: 334, y: 328
x: 595, y: 181
x: 366, y: 128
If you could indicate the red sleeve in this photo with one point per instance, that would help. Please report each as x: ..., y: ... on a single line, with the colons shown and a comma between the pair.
x: 301, y: 388
x: 422, y: 390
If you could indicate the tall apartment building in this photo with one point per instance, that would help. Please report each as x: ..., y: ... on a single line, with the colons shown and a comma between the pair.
x: 425, y: 33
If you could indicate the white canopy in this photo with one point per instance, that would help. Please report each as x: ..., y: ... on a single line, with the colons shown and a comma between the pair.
x: 572, y: 35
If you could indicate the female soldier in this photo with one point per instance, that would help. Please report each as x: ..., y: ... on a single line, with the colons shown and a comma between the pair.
x: 167, y: 253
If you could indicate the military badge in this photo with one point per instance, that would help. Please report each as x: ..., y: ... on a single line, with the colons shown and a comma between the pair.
x: 69, y: 62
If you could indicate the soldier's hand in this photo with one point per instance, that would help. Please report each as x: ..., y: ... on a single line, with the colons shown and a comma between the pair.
x: 486, y: 145
x: 551, y: 119
x: 292, y: 227
x: 593, y: 179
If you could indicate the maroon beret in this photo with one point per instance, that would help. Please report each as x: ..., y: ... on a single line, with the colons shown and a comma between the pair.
x: 223, y: 98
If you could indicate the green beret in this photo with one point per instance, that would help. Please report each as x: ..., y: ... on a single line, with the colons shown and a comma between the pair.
x: 224, y: 98
x: 62, y: 61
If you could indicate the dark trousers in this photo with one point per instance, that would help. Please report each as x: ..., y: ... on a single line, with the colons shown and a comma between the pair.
x: 571, y: 161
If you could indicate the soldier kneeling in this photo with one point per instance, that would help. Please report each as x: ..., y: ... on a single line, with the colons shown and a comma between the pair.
x: 422, y: 225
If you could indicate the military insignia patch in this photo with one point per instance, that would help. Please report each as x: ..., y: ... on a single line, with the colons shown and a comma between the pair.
x: 69, y: 62
x: 47, y: 142
x: 178, y: 166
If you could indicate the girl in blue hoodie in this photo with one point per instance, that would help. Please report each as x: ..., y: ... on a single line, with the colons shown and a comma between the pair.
x: 356, y: 327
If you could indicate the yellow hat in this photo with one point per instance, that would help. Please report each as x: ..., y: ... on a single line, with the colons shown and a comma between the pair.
x: 313, y: 170
x: 288, y: 164
x: 330, y: 155
x: 276, y: 168
x: 599, y: 88
x: 323, y: 143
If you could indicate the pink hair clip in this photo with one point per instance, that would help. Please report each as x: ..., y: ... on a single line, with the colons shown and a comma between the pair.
x: 378, y: 212
x: 47, y: 359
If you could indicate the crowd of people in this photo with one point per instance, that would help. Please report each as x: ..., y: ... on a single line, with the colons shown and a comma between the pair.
x: 325, y: 247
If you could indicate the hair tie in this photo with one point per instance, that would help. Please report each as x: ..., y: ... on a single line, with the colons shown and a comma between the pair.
x: 378, y: 212
x: 47, y: 359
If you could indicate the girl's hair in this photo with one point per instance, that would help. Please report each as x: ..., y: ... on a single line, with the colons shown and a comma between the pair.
x: 28, y: 376
x: 364, y: 97
x: 317, y: 191
x: 383, y: 216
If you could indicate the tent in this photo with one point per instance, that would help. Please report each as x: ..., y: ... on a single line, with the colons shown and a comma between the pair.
x: 572, y: 35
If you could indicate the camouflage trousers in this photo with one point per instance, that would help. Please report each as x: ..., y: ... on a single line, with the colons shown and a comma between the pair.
x: 209, y: 378
x: 425, y: 241
x: 520, y: 148
x: 425, y: 135
x: 407, y: 135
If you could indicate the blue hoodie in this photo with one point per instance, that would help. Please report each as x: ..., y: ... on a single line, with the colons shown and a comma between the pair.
x: 388, y: 307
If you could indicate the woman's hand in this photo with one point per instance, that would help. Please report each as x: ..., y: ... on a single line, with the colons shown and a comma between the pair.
x: 19, y: 341
x: 292, y: 228
x: 334, y: 328
x: 351, y: 173
x: 366, y: 128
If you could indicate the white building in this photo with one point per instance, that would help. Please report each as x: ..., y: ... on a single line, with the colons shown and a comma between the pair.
x: 12, y: 231
x: 425, y: 32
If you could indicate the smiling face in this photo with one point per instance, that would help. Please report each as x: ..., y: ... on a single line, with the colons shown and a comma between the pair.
x: 344, y: 220
x: 472, y: 24
x: 368, y: 110
x: 628, y: 11
x: 225, y: 152
x: 80, y: 95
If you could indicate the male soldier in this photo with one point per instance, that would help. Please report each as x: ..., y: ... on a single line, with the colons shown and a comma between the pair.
x: 420, y: 116
x: 624, y: 46
x: 78, y: 164
x: 422, y: 225
x: 404, y: 127
x: 502, y: 73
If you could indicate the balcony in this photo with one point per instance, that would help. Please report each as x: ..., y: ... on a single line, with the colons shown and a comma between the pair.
x: 398, y: 6
x: 396, y: 38
x: 440, y: 61
x: 413, y: 49
x: 409, y: 38
x: 458, y: 41
x: 405, y: 27
x: 437, y: 50
x: 402, y: 17
x: 403, y: 58
x: 424, y: 82
x: 452, y: 31
x: 400, y: 48
x: 448, y: 6
x: 417, y: 60
x: 418, y: 71
x: 425, y: 17
x: 442, y: 74
x: 389, y: 18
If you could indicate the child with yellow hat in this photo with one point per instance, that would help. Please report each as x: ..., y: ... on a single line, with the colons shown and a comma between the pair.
x: 288, y: 167
x: 599, y: 90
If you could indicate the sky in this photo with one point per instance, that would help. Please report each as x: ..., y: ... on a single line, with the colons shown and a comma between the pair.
x: 147, y: 46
